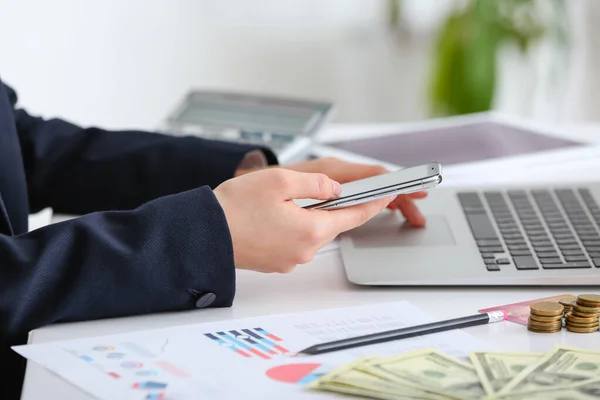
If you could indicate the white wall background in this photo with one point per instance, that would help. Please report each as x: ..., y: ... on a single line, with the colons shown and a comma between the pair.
x: 126, y: 63
x: 582, y: 97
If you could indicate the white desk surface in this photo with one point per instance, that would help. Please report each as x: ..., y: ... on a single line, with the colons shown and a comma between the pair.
x: 322, y: 284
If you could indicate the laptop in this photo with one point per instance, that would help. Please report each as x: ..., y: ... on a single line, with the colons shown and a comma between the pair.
x: 509, y: 236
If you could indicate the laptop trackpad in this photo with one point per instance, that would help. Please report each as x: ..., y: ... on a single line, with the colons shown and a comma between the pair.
x: 389, y: 230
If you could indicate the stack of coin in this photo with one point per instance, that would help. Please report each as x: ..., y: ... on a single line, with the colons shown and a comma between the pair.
x: 584, y: 314
x: 566, y: 302
x: 589, y: 300
x: 545, y: 317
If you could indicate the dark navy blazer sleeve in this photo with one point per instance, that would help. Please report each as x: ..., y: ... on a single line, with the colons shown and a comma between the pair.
x: 80, y: 170
x: 161, y: 256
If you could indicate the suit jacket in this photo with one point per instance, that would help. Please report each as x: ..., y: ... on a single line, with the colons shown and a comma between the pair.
x: 153, y: 237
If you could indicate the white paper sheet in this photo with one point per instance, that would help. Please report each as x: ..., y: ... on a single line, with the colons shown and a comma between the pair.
x: 236, y: 359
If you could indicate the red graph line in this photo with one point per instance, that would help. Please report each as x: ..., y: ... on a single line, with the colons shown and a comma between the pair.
x: 167, y: 366
x: 271, y: 336
x: 258, y: 353
x: 243, y: 353
x: 281, y: 349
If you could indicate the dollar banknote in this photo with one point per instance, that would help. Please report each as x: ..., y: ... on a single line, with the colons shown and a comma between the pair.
x: 495, y: 369
x: 587, y: 390
x: 430, y: 370
x: 563, y: 366
x: 356, y: 391
x: 349, y: 379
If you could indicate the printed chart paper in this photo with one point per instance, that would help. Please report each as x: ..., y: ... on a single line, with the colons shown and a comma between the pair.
x: 234, y: 359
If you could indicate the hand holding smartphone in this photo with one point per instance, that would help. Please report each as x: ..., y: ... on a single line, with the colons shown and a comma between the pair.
x: 403, y: 181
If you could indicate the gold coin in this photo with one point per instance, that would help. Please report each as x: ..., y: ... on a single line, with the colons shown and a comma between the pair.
x: 582, y: 330
x: 553, y: 322
x: 547, y: 309
x: 586, y: 310
x: 586, y: 304
x: 537, y: 330
x: 589, y: 305
x: 581, y: 326
x: 581, y: 320
x: 593, y: 322
x: 544, y: 325
x: 567, y: 300
x: 583, y: 315
x: 538, y: 318
x: 593, y: 300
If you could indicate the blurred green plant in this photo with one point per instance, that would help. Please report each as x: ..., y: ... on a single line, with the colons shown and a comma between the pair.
x: 465, y: 62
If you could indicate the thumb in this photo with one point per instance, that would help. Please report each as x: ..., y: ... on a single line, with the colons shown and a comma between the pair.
x: 300, y: 185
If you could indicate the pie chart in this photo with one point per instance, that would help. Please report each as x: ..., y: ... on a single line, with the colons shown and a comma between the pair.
x: 296, y: 373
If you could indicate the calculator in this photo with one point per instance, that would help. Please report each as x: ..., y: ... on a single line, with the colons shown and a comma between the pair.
x: 285, y: 125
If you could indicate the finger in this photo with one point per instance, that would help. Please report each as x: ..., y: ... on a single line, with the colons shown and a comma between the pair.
x: 410, y: 211
x: 418, y: 195
x: 348, y: 171
x: 300, y: 185
x: 344, y: 219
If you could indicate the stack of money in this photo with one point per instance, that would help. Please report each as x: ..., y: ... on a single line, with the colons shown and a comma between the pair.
x: 563, y: 373
x: 545, y: 317
x: 583, y: 317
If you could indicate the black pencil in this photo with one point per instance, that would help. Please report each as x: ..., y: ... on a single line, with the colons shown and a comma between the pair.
x: 403, y: 333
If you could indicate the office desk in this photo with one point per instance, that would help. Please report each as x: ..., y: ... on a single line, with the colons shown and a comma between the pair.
x: 321, y: 284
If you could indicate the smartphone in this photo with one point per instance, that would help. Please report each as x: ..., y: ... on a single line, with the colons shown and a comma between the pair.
x: 406, y: 180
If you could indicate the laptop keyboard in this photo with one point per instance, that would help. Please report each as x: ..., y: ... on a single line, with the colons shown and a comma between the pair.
x: 537, y: 229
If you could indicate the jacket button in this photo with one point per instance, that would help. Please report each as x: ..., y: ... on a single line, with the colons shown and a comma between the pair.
x: 206, y: 300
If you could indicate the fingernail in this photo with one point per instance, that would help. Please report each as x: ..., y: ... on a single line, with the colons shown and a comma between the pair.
x: 337, y: 188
